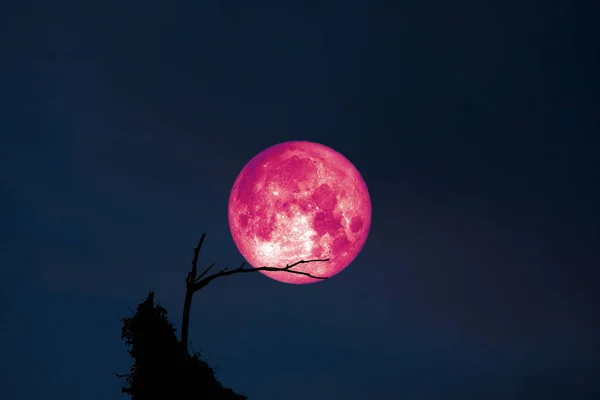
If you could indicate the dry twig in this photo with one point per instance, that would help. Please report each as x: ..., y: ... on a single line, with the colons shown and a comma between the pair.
x: 194, y: 283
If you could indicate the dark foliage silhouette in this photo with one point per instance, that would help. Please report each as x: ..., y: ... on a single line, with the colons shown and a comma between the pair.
x: 163, y: 368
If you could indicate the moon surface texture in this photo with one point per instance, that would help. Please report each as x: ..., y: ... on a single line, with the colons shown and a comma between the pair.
x: 299, y: 201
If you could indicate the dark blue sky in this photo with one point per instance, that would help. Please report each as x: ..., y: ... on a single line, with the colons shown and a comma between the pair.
x: 474, y: 123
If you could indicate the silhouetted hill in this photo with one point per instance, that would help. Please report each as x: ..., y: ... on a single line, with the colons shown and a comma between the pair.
x: 162, y: 368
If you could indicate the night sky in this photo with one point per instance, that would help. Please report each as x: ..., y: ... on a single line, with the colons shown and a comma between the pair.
x: 474, y: 123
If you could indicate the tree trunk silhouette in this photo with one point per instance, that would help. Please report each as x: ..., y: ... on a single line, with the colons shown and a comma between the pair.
x: 189, y: 293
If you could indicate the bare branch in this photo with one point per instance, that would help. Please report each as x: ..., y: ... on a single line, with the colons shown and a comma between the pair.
x: 196, y: 253
x: 187, y: 303
x: 205, y: 271
x: 193, y: 283
x: 200, y: 283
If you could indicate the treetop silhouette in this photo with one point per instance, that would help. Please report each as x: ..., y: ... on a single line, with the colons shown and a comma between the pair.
x: 163, y: 367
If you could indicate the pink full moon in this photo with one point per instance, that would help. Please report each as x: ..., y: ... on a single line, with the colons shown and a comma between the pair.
x: 299, y: 201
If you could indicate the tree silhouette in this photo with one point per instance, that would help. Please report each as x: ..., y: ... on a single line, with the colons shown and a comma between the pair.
x: 163, y: 368
x: 194, y: 283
